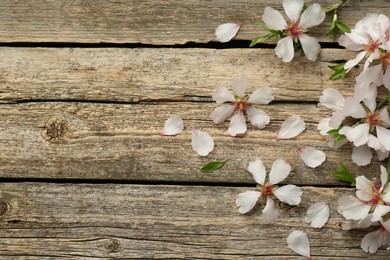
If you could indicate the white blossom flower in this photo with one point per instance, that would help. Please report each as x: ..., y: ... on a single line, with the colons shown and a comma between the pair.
x: 225, y: 32
x: 289, y: 194
x: 202, y: 142
x: 291, y: 127
x: 298, y: 242
x: 311, y: 156
x: 239, y: 104
x: 295, y: 29
x: 317, y: 214
x: 371, y: 198
x: 173, y: 126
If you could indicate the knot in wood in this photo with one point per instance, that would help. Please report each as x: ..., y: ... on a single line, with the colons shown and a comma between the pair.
x: 54, y: 130
x: 112, y: 245
x: 4, y: 208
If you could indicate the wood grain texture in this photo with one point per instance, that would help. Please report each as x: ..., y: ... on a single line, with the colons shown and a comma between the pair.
x: 155, y: 221
x: 133, y: 75
x: 149, y: 22
x: 123, y: 142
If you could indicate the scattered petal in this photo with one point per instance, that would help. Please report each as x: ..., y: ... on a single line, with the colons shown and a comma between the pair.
x: 173, y: 126
x: 299, y: 243
x: 291, y: 127
x: 247, y: 200
x: 279, y: 171
x: 226, y: 32
x: 361, y: 155
x: 312, y: 157
x: 202, y: 143
x: 317, y: 214
x: 289, y: 194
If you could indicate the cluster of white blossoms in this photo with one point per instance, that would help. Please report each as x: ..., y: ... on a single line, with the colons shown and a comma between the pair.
x: 359, y: 119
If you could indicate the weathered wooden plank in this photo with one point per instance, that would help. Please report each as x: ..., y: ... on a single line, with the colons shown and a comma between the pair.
x: 132, y: 75
x: 122, y: 142
x: 155, y: 221
x: 148, y: 22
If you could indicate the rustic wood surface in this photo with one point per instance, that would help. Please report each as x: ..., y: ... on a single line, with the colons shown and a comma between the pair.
x: 85, y: 89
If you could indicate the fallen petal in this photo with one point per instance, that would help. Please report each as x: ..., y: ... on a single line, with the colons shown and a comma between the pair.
x: 317, y: 214
x: 312, y: 157
x: 298, y: 242
x: 202, y: 143
x: 291, y: 127
x: 173, y: 126
x: 225, y: 32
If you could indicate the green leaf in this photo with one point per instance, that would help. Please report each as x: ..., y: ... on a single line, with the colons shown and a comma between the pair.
x: 338, y: 74
x: 212, y: 166
x: 342, y: 174
x: 339, y: 138
x: 333, y: 131
x: 343, y: 27
x: 261, y: 39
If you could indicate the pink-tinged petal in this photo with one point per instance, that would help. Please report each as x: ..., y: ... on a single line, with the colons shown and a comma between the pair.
x: 385, y: 45
x: 289, y: 194
x: 274, y: 19
x: 379, y: 211
x: 357, y: 37
x: 352, y: 63
x: 317, y: 214
x: 202, y: 143
x: 332, y: 99
x: 293, y: 9
x: 352, y: 208
x: 370, y: 98
x: 291, y: 127
x: 386, y: 78
x: 359, y: 134
x: 257, y: 117
x: 372, y: 241
x: 383, y: 137
x: 298, y: 242
x: 336, y: 119
x: 225, y: 32
x: 237, y: 124
x: 285, y: 49
x: 323, y: 126
x: 220, y: 114
x: 247, y: 201
x: 352, y: 107
x: 364, y: 188
x: 173, y: 126
x: 384, y: 116
x: 222, y: 95
x: 312, y: 157
x: 362, y: 155
x: 363, y: 223
x: 270, y: 212
x: 312, y: 16
x: 261, y: 96
x: 240, y: 82
x: 279, y: 171
x: 257, y: 169
x: 349, y: 44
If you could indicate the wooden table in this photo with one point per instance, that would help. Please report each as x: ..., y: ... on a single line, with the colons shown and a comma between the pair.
x: 85, y: 89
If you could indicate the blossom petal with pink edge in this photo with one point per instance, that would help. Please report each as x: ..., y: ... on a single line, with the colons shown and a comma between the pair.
x: 312, y: 157
x: 364, y: 188
x: 372, y: 241
x: 349, y: 44
x: 247, y: 201
x: 237, y: 124
x: 220, y: 114
x: 312, y: 16
x: 289, y: 194
x: 257, y: 169
x: 270, y: 212
x: 332, y: 99
x: 285, y: 49
x: 317, y: 214
x: 222, y: 95
x: 293, y: 9
x: 379, y: 211
x: 362, y: 155
x: 261, y: 96
x: 257, y: 117
x: 274, y: 19
x: 202, y: 143
x: 383, y: 136
x: 239, y: 84
x: 359, y: 134
x: 310, y: 47
x: 279, y: 171
x: 173, y: 126
x: 352, y: 208
x: 225, y: 32
x: 298, y: 242
x: 291, y: 127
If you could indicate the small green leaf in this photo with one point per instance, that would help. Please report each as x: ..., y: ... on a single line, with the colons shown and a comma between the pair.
x: 342, y: 174
x: 338, y: 74
x: 333, y: 131
x: 212, y: 166
x: 261, y: 39
x: 343, y: 27
x: 339, y: 138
